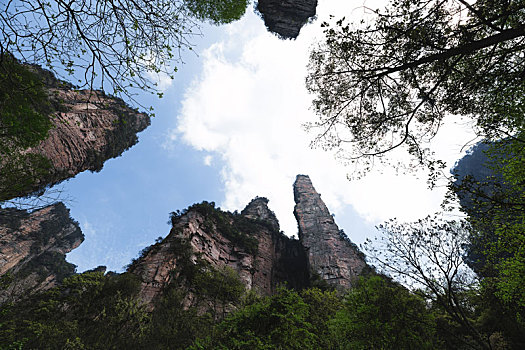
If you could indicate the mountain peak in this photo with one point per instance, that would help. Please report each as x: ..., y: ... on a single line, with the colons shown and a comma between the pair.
x: 330, y: 253
x: 258, y: 209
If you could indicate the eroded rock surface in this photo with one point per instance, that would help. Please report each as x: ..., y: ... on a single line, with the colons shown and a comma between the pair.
x: 286, y: 17
x: 89, y: 128
x: 251, y: 244
x: 278, y: 259
x: 330, y: 253
x: 33, y: 247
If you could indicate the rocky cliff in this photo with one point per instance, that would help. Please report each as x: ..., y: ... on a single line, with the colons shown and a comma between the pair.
x: 89, y: 127
x: 33, y: 247
x: 330, y: 253
x: 286, y: 17
x: 251, y: 244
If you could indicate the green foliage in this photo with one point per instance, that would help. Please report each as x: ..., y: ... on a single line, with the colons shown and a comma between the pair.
x: 380, y: 314
x: 197, y: 297
x: 493, y: 198
x: 25, y: 106
x: 388, y: 82
x: 222, y: 285
x: 173, y: 326
x: 323, y: 306
x: 5, y: 280
x: 235, y: 227
x: 278, y: 322
x: 24, y: 122
x: 20, y: 173
x: 217, y: 11
x: 377, y: 314
x: 499, y: 318
x: 89, y: 310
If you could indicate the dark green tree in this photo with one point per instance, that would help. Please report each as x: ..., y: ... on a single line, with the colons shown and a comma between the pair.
x: 381, y: 314
x: 88, y: 311
x: 217, y: 11
x: 277, y: 322
x: 428, y: 255
x: 25, y: 119
x: 388, y: 83
x: 490, y: 186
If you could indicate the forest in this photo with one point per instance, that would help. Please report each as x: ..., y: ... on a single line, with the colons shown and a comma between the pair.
x: 452, y: 280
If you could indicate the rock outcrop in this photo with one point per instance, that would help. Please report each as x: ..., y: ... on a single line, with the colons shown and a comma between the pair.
x: 263, y: 257
x: 286, y: 17
x: 330, y: 253
x: 33, y: 247
x: 89, y: 128
x: 251, y: 244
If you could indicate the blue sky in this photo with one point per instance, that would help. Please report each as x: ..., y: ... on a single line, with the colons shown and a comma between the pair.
x: 229, y: 128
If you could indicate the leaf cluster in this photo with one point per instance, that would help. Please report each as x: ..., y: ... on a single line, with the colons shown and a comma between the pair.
x: 233, y: 226
x: 387, y: 83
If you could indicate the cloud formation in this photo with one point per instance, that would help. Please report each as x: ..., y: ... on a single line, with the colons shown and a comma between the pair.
x: 247, y: 108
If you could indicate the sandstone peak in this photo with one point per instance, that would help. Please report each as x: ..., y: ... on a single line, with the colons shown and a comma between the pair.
x: 89, y: 127
x: 286, y: 17
x: 33, y: 248
x: 258, y: 209
x: 330, y: 253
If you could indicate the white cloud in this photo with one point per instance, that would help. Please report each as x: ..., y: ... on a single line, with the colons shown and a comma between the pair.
x: 207, y: 160
x: 162, y: 80
x: 248, y: 106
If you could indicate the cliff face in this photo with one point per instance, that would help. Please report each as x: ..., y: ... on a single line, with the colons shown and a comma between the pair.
x: 286, y: 17
x: 33, y: 247
x: 330, y: 252
x: 249, y: 243
x: 88, y: 128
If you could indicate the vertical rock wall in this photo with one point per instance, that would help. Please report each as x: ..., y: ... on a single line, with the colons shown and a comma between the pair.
x: 33, y: 247
x: 278, y: 259
x: 89, y: 127
x: 330, y: 254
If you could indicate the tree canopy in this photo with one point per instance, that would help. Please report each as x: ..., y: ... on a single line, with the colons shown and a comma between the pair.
x: 114, y: 42
x: 389, y: 83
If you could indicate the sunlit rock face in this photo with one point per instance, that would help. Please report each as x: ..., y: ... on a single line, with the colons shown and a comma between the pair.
x: 268, y: 260
x: 277, y: 260
x: 330, y: 253
x: 286, y: 17
x: 89, y: 128
x: 33, y: 247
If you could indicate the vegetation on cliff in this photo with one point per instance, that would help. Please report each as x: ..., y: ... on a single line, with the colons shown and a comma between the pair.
x: 233, y: 226
x: 205, y: 307
x: 25, y: 119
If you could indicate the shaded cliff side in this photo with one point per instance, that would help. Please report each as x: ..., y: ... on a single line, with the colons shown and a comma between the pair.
x: 88, y: 128
x: 286, y: 17
x: 33, y: 248
x: 330, y: 252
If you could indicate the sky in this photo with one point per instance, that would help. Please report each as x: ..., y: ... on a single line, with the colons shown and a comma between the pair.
x: 229, y: 128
